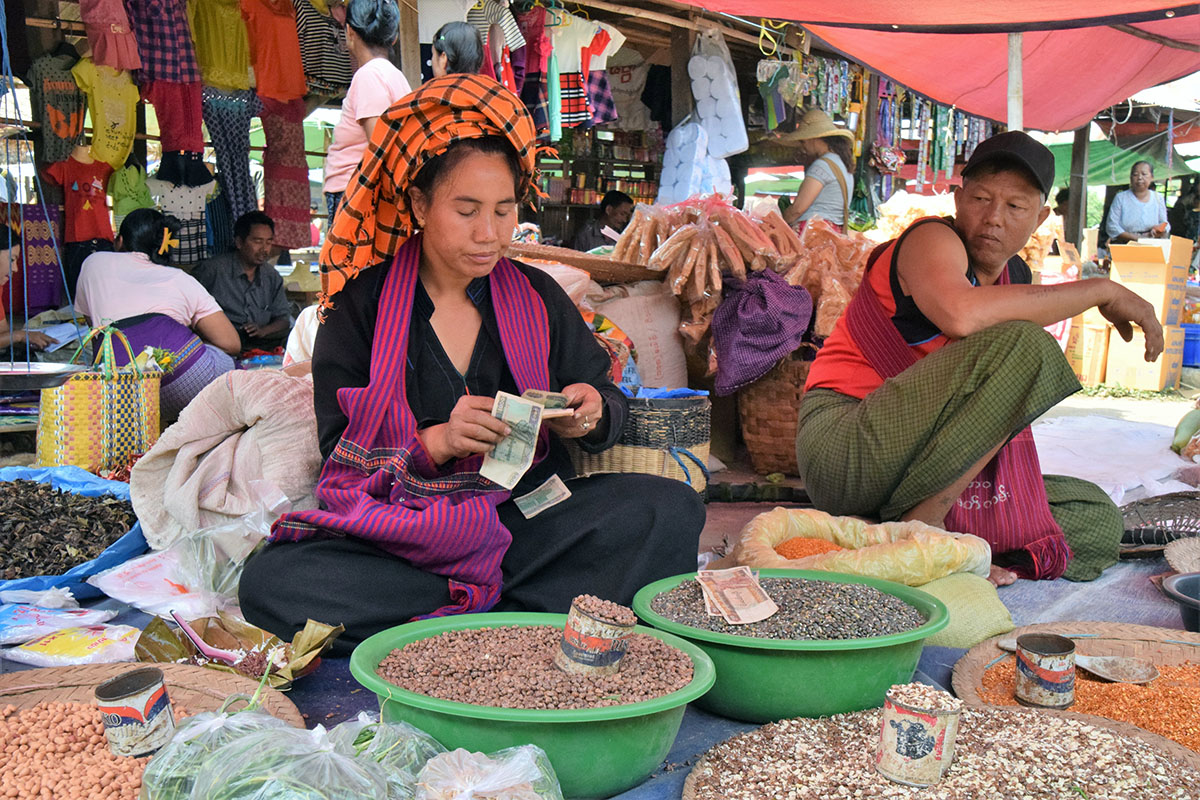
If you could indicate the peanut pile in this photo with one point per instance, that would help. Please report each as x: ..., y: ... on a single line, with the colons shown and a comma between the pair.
x: 513, y: 667
x: 999, y: 754
x: 605, y: 610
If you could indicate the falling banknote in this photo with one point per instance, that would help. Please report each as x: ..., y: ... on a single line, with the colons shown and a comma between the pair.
x: 737, y: 595
x: 512, y: 455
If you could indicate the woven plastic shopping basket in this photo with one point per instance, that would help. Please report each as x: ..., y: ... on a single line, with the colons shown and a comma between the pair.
x: 663, y: 436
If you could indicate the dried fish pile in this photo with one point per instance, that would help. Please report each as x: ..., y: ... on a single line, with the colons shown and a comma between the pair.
x: 46, y: 531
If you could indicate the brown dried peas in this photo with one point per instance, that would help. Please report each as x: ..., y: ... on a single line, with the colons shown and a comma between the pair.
x: 1169, y: 706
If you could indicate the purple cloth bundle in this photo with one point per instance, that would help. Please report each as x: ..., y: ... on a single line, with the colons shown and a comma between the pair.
x: 760, y: 320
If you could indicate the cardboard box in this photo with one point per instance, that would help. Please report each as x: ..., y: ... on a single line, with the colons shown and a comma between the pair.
x: 1087, y: 351
x: 1128, y: 367
x: 1156, y: 271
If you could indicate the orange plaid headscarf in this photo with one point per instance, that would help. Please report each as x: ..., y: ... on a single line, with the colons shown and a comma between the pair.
x: 374, y: 218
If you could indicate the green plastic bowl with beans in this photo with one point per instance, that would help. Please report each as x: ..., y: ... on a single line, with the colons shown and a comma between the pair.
x: 763, y: 680
x: 596, y: 752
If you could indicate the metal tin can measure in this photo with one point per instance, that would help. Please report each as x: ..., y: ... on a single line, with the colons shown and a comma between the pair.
x: 591, y: 645
x: 916, y: 745
x: 137, y: 712
x: 1045, y: 670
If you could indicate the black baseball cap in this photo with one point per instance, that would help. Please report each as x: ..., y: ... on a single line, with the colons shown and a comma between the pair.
x: 1016, y: 147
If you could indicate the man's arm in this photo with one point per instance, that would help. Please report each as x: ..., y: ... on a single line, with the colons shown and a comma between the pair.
x: 932, y: 266
x: 276, y: 325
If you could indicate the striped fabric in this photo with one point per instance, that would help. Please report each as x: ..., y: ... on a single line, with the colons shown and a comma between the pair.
x: 380, y: 483
x: 484, y: 13
x: 375, y: 219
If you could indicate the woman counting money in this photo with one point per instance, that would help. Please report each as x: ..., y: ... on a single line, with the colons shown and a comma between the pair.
x: 426, y: 323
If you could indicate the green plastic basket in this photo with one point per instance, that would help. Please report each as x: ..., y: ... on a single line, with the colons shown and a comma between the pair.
x: 763, y: 680
x: 596, y: 752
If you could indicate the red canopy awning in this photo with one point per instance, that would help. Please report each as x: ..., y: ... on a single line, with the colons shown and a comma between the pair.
x: 1070, y: 73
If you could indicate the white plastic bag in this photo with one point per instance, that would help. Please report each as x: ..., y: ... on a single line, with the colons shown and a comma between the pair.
x: 55, y: 597
x: 157, y: 584
x: 718, y: 101
x: 685, y: 163
x: 399, y: 748
x: 93, y: 644
x: 517, y: 773
x: 21, y: 623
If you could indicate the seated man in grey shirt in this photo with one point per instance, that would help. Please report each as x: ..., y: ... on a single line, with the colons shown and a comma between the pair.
x: 249, y: 290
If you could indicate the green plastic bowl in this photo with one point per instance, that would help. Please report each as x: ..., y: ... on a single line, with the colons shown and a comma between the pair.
x: 596, y: 752
x: 763, y: 680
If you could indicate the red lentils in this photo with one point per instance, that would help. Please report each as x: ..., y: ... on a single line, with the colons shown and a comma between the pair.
x: 802, y: 547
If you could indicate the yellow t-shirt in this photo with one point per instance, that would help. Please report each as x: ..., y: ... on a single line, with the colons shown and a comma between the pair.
x: 112, y: 103
x: 222, y: 46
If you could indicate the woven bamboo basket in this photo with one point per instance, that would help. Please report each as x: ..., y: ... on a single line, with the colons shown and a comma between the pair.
x: 768, y: 409
x: 195, y: 689
x: 666, y: 437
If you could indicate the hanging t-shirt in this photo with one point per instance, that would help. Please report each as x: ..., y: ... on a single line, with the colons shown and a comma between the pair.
x: 109, y: 33
x: 433, y: 14
x: 537, y: 43
x: 187, y: 204
x: 222, y: 48
x: 112, y: 100
x: 275, y: 49
x: 164, y: 40
x: 127, y: 186
x: 376, y: 86
x: 601, y: 53
x: 486, y: 12
x: 569, y: 39
x: 323, y: 50
x: 58, y: 105
x: 86, y: 203
x: 627, y: 81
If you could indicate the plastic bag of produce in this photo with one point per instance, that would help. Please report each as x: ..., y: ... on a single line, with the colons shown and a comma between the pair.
x: 516, y: 773
x: 91, y: 644
x: 911, y: 553
x: 157, y: 584
x: 287, y: 764
x: 172, y: 772
x: 19, y: 623
x: 398, y: 747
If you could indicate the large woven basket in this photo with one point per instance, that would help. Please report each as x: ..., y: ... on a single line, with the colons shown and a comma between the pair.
x: 667, y: 437
x: 769, y: 409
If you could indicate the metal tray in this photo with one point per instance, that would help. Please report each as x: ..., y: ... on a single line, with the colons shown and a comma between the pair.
x: 23, y: 376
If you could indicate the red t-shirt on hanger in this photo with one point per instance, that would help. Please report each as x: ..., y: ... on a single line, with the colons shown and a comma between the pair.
x: 86, y: 212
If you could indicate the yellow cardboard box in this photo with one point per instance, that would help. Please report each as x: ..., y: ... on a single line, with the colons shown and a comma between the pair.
x: 1128, y: 367
x: 1157, y: 271
x: 1087, y: 351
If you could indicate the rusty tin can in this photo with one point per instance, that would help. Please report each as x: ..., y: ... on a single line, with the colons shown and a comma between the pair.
x: 1045, y: 670
x: 591, y: 645
x: 916, y: 745
x: 137, y: 712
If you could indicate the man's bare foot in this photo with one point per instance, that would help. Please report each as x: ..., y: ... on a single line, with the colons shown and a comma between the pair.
x: 1001, y: 577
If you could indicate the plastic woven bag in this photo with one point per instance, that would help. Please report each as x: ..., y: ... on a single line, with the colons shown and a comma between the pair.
x: 172, y: 772
x: 98, y: 419
x: 287, y: 764
x: 911, y: 553
x: 516, y: 773
x: 399, y: 748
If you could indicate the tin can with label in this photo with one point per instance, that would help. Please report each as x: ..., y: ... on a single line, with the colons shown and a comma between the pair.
x: 137, y: 712
x: 591, y: 645
x: 916, y: 745
x: 1045, y: 670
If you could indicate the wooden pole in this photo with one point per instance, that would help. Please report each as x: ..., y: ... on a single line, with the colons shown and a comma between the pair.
x: 408, y: 46
x: 681, y: 82
x: 1016, y: 88
x: 1077, y: 201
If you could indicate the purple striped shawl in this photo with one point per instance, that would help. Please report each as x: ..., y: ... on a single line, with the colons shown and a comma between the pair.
x: 381, y: 485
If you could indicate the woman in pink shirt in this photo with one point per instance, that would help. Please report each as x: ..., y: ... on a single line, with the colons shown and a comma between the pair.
x: 371, y: 28
x: 158, y: 306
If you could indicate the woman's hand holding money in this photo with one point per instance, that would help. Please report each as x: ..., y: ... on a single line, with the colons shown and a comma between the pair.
x: 588, y: 419
x: 470, y: 430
